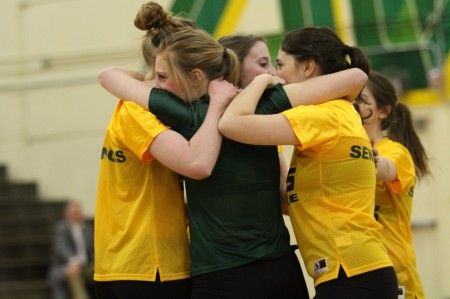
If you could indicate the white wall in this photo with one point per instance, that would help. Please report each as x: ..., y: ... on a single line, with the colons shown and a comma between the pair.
x: 53, y: 113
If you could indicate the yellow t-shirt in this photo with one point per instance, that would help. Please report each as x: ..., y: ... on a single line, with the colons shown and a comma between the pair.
x: 140, y: 225
x: 393, y: 210
x: 331, y: 192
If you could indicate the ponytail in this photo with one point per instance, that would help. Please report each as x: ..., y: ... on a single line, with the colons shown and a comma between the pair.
x: 399, y: 123
x: 402, y: 130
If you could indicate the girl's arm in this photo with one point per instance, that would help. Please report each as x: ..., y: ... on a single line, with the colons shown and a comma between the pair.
x: 346, y: 84
x: 197, y: 157
x: 240, y: 122
x: 385, y: 169
x: 126, y: 85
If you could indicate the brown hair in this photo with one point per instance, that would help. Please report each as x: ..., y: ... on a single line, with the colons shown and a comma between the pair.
x: 240, y: 44
x: 191, y: 49
x: 325, y: 47
x: 158, y: 24
x: 398, y: 124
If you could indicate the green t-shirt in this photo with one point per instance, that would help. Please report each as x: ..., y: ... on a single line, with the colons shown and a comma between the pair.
x: 234, y: 214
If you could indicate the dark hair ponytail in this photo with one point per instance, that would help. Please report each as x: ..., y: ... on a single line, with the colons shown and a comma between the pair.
x: 358, y: 59
x: 325, y: 47
x: 402, y: 130
x: 398, y: 124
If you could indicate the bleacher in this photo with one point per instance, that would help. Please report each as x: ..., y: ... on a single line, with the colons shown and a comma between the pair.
x: 26, y: 222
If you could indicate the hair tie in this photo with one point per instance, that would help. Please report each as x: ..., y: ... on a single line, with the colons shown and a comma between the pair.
x: 224, y: 52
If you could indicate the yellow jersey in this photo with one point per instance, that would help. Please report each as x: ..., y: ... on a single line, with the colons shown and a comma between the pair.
x: 331, y: 192
x: 140, y: 223
x: 393, y: 210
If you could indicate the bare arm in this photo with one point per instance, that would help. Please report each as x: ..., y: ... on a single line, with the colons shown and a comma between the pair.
x: 385, y: 169
x: 240, y: 123
x: 194, y: 158
x: 344, y: 84
x: 126, y: 85
x: 197, y: 157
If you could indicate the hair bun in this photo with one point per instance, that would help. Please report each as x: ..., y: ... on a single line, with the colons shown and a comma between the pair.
x: 151, y: 15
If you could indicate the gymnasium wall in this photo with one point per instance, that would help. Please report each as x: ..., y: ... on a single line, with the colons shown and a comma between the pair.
x: 53, y: 113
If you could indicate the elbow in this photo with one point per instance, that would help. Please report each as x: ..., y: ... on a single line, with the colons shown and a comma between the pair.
x: 103, y: 76
x: 225, y: 127
x: 234, y: 129
x: 360, y: 78
x: 201, y: 173
x: 199, y: 169
x: 201, y: 176
x: 106, y: 75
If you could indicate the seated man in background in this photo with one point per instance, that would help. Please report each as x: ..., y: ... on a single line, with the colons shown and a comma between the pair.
x: 71, y: 270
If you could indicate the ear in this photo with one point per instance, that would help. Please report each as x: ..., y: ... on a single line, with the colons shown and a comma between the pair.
x: 197, y: 77
x: 384, y: 113
x: 309, y: 67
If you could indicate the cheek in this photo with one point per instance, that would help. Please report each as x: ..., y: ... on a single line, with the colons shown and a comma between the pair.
x: 281, y: 73
x: 291, y: 75
x: 368, y: 113
x: 286, y: 75
x: 249, y: 73
x: 169, y: 86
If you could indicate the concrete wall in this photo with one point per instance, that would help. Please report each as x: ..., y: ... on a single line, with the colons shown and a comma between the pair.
x: 53, y: 113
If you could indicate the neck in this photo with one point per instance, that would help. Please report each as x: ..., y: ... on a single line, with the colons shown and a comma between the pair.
x: 375, y: 133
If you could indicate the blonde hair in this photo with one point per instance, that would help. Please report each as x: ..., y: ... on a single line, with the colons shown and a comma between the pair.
x: 191, y: 49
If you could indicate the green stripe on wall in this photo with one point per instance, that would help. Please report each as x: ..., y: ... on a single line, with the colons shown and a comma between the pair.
x: 182, y: 6
x: 364, y: 23
x: 322, y: 13
x: 205, y: 12
x: 399, y: 21
x: 210, y: 14
x: 292, y: 16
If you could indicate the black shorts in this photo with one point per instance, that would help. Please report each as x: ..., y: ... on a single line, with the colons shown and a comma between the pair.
x: 280, y: 278
x: 380, y: 283
x: 126, y: 289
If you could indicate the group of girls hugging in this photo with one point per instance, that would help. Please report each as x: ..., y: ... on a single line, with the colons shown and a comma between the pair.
x: 211, y: 116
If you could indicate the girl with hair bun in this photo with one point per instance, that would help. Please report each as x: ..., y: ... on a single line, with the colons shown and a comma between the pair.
x: 141, y: 240
x: 158, y: 24
x: 240, y: 246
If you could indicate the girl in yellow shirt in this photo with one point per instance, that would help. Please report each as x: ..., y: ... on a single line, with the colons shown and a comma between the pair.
x: 331, y: 181
x: 401, y: 160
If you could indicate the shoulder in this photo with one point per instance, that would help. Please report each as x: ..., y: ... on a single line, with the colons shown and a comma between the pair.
x: 273, y: 100
x: 158, y: 92
x: 391, y: 146
x: 395, y: 151
x: 61, y: 225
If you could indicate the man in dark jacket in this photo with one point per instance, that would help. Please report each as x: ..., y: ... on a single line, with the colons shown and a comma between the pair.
x: 71, y: 270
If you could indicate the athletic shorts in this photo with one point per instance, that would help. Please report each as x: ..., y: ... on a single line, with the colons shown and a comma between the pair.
x: 279, y: 278
x: 377, y: 284
x: 126, y: 289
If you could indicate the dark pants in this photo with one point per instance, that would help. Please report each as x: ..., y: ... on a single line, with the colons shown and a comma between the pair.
x: 280, y: 278
x: 377, y: 284
x: 179, y: 289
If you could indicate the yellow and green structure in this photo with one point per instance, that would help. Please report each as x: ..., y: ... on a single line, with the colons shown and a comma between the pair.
x: 407, y: 40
